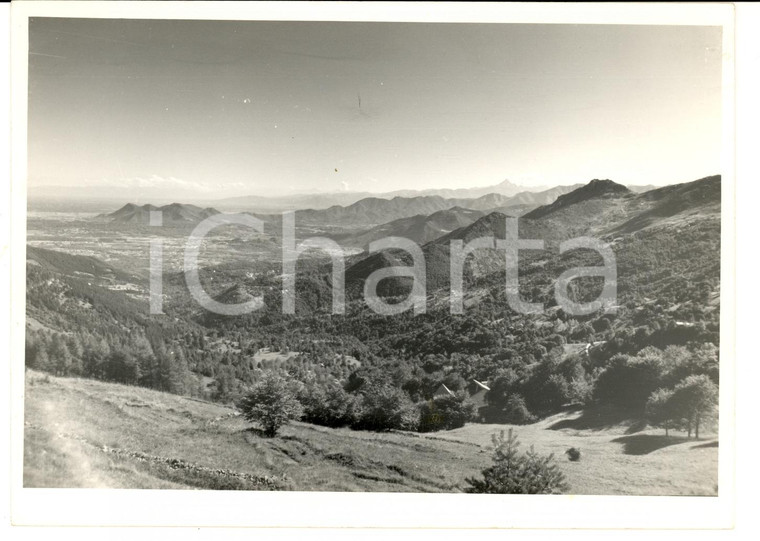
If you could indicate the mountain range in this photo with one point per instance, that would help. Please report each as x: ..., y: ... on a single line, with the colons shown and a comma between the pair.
x: 96, y: 198
x: 525, y: 195
x: 366, y: 212
x: 326, y: 200
x: 601, y: 208
x: 378, y: 211
x: 374, y: 211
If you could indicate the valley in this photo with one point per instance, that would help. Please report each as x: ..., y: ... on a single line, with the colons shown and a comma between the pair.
x: 117, y: 396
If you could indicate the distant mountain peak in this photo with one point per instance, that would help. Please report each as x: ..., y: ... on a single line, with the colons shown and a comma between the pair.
x: 506, y: 183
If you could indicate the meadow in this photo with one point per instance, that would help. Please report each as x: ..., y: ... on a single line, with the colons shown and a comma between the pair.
x: 87, y: 433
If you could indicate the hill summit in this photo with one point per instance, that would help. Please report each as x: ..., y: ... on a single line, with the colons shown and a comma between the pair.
x: 596, y: 189
x: 172, y: 213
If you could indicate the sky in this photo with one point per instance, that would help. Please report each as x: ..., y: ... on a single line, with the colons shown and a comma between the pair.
x: 225, y: 108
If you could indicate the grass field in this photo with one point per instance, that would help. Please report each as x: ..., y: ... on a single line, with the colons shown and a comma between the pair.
x: 85, y: 433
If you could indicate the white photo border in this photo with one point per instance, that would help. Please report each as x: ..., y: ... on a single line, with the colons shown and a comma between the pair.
x: 94, y: 507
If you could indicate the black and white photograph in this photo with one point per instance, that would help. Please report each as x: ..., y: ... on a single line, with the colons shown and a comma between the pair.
x: 375, y: 255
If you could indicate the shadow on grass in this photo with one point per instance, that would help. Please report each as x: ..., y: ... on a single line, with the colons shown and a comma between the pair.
x: 600, y: 418
x: 256, y: 432
x: 706, y: 445
x: 643, y: 444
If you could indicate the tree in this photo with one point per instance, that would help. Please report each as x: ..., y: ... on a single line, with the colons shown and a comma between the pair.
x: 328, y: 406
x: 695, y: 399
x: 60, y: 356
x: 545, y: 391
x: 96, y: 354
x: 173, y: 372
x: 502, y: 386
x: 225, y: 384
x: 43, y: 362
x: 271, y: 403
x: 35, y: 352
x: 384, y: 407
x: 629, y: 381
x: 446, y: 412
x: 514, y: 472
x: 75, y: 349
x: 516, y: 412
x: 122, y: 367
x: 701, y: 359
x: 660, y: 410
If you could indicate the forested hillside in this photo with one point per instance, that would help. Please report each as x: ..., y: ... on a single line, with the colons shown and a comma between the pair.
x: 88, y: 318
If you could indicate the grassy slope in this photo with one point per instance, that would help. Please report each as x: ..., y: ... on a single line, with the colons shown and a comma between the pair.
x: 84, y: 433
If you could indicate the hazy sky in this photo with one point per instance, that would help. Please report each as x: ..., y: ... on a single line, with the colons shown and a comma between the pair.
x: 201, y: 108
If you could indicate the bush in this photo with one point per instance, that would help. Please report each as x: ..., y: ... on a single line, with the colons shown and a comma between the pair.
x: 445, y: 413
x: 573, y: 454
x: 271, y: 403
x: 514, y: 472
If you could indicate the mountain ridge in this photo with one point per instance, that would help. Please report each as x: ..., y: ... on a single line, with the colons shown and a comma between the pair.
x: 420, y: 228
x: 378, y: 211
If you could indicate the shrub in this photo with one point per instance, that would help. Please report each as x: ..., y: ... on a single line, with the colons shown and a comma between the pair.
x: 514, y: 472
x: 271, y: 403
x: 573, y: 454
